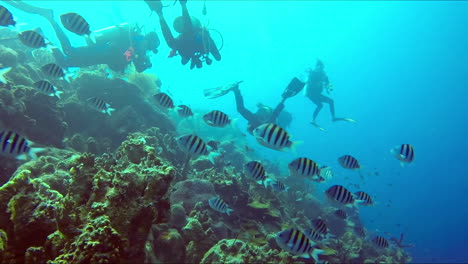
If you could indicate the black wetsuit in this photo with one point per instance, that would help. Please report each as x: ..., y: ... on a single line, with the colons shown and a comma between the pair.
x: 251, y: 118
x: 108, y: 49
x: 194, y: 42
x: 318, y: 79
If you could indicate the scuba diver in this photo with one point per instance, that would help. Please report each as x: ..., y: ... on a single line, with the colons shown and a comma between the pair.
x: 116, y: 46
x: 317, y: 81
x: 264, y: 114
x: 194, y: 41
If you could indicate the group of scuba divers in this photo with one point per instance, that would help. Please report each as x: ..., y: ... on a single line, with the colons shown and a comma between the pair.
x: 124, y: 44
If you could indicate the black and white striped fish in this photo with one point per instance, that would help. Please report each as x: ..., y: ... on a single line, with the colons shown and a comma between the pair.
x: 6, y: 18
x: 163, y: 100
x: 255, y: 170
x: 194, y: 145
x: 277, y: 185
x: 219, y: 205
x: 184, y: 111
x: 273, y: 136
x: 313, y: 234
x: 16, y: 146
x: 363, y: 198
x: 360, y: 231
x: 404, y: 153
x: 340, y: 194
x: 54, y: 71
x: 297, y: 243
x: 217, y: 118
x: 100, y: 105
x: 380, y: 241
x: 75, y: 23
x: 213, y: 144
x: 303, y: 167
x: 341, y: 214
x: 32, y: 39
x: 47, y: 88
x: 349, y: 162
x: 3, y: 72
x: 320, y: 226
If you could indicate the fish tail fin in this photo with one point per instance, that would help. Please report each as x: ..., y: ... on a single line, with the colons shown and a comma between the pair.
x: 228, y: 211
x: 57, y: 94
x: 294, y: 145
x: 109, y: 111
x: 33, y: 152
x: 315, y: 254
x: 91, y: 37
x: 69, y: 76
x: 267, y: 182
x: 402, y: 164
x: 2, y: 74
x: 234, y: 122
x: 212, y: 156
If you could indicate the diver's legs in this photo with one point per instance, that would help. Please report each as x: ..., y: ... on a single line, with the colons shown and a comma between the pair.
x: 49, y: 15
x: 330, y: 101
x: 170, y: 41
x: 249, y: 116
x: 317, y: 111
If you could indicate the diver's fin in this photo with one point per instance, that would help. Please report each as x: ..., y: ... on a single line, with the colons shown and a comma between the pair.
x: 216, y: 92
x: 2, y: 74
x: 317, y: 126
x: 293, y: 88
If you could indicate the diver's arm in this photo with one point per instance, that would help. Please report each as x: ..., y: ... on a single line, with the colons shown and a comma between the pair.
x: 277, y: 111
x: 249, y: 116
x: 185, y: 16
x: 47, y: 14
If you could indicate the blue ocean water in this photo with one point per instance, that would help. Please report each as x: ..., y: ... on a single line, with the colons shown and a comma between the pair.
x: 399, y: 68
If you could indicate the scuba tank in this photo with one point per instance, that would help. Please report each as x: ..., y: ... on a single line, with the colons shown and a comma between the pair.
x: 110, y: 34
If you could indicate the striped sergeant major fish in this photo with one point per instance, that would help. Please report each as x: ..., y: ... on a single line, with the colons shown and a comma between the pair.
x: 340, y: 194
x: 363, y: 198
x: 340, y: 214
x: 404, y: 153
x: 360, y: 231
x: 349, y: 162
x: 297, y: 243
x: 303, y: 167
x: 320, y: 226
x: 380, y: 242
x: 47, y: 88
x: 273, y: 136
x: 52, y: 70
x: 100, y: 105
x: 16, y: 146
x: 217, y: 118
x: 3, y: 72
x: 277, y: 185
x: 256, y: 171
x: 163, y: 100
x: 6, y: 17
x: 184, y: 111
x: 195, y: 146
x: 75, y: 23
x: 32, y: 39
x: 219, y: 205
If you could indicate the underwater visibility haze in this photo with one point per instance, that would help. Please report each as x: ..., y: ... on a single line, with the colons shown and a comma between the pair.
x: 233, y: 131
